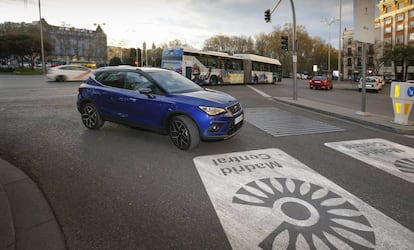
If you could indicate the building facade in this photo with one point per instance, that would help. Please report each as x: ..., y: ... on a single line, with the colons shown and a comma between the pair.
x: 71, y: 44
x: 394, y: 27
x: 352, y: 56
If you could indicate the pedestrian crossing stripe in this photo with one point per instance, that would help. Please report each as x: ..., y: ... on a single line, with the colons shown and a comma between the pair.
x: 277, y: 122
x: 391, y: 157
x: 266, y: 199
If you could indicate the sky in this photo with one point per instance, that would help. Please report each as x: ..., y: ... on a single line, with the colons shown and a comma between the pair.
x: 129, y: 23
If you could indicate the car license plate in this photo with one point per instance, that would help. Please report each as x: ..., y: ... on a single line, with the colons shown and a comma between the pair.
x: 317, y: 81
x: 238, y: 119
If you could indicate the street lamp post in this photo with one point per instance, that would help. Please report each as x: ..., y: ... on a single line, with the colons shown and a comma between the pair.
x: 339, y: 41
x: 42, y: 48
x: 329, y: 23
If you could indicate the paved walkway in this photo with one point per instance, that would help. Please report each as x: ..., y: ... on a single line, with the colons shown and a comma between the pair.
x: 27, y: 221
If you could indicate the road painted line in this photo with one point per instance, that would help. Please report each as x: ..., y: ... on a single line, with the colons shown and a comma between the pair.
x: 259, y: 91
x: 266, y: 199
x: 34, y: 98
x: 391, y: 157
x: 278, y: 122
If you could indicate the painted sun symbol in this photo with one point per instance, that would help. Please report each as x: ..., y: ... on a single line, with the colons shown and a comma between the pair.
x: 405, y: 165
x: 312, y: 217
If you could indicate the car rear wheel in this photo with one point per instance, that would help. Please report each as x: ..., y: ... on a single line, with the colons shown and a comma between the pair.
x: 60, y: 78
x: 91, y: 117
x: 184, y: 132
x: 213, y: 80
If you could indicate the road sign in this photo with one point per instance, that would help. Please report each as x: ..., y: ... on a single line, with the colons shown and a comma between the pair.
x: 410, y: 91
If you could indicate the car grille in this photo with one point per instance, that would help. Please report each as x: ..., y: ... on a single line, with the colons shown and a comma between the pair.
x: 234, y: 128
x: 235, y: 108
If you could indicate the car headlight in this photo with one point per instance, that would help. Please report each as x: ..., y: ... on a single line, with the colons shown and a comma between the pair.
x: 212, y: 110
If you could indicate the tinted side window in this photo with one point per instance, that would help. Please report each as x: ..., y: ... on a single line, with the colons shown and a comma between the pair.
x: 136, y: 81
x: 111, y: 78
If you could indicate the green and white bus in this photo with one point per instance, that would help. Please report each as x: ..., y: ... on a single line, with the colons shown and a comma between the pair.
x: 210, y: 67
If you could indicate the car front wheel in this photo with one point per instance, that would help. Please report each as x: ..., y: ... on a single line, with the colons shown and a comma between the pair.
x: 184, y: 132
x: 91, y: 117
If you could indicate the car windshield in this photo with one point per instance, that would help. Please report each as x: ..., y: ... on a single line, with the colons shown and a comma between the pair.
x: 173, y: 82
x: 319, y: 78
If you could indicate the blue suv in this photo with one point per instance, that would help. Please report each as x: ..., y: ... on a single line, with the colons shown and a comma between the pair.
x: 159, y: 100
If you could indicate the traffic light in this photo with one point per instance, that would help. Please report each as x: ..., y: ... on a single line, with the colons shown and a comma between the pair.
x: 267, y: 16
x: 285, y: 43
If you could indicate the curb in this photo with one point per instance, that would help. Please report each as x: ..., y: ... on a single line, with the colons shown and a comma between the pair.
x: 28, y: 221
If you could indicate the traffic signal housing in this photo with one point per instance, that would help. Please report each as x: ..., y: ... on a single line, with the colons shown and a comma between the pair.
x: 285, y: 43
x: 267, y: 16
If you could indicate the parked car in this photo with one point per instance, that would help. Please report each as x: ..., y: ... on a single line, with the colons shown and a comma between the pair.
x: 6, y: 68
x: 371, y: 83
x: 380, y: 80
x: 160, y: 100
x: 320, y: 82
x: 68, y: 73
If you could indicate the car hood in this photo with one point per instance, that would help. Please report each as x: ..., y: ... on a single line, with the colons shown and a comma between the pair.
x: 206, y: 97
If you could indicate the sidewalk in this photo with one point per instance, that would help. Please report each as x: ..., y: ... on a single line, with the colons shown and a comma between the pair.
x: 373, y: 120
x: 26, y: 220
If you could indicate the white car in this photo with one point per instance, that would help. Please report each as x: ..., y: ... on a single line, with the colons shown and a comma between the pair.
x: 371, y: 83
x: 380, y: 79
x: 68, y: 73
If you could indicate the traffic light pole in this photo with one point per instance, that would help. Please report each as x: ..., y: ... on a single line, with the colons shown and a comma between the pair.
x: 294, y: 45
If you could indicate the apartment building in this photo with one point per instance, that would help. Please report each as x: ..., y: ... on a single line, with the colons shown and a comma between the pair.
x: 396, y: 28
x: 69, y: 43
x: 393, y: 27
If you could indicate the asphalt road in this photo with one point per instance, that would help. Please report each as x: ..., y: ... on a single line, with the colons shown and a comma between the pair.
x: 125, y: 188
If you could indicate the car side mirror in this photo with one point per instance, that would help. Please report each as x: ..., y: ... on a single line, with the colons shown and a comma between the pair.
x: 147, y: 92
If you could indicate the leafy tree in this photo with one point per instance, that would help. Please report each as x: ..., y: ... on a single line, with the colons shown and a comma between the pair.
x: 174, y: 43
x: 115, y: 61
x: 23, y: 46
x: 230, y: 44
x: 400, y: 56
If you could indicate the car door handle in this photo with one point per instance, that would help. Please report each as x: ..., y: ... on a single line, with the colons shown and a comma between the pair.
x: 125, y: 99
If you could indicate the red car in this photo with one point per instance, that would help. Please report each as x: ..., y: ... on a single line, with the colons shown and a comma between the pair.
x: 320, y: 82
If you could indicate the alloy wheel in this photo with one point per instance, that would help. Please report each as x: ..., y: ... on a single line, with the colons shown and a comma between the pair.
x: 184, y: 132
x: 90, y: 117
x: 179, y: 134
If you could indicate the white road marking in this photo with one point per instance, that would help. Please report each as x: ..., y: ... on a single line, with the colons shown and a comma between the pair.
x: 34, y: 98
x: 259, y: 91
x: 266, y: 199
x: 391, y: 157
x: 278, y: 122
